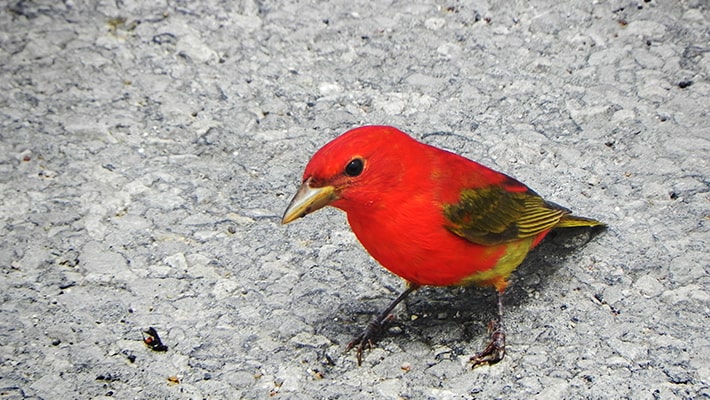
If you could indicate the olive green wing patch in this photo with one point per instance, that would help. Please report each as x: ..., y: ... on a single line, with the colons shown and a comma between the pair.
x: 493, y: 215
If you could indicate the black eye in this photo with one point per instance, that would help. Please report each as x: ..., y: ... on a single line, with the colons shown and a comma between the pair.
x: 354, y: 167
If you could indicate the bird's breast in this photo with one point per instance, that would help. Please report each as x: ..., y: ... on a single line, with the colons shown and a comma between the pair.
x: 412, y: 242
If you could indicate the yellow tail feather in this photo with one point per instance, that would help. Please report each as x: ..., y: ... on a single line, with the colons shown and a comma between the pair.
x: 571, y: 221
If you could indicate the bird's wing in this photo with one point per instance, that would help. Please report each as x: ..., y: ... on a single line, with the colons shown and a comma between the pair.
x: 493, y: 215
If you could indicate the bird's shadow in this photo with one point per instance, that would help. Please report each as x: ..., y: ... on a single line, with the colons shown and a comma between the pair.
x: 455, y: 316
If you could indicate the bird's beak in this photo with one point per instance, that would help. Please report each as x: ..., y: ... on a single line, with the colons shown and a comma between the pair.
x: 307, y: 200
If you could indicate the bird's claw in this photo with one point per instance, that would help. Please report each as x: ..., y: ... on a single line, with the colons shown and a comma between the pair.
x: 359, y: 343
x: 495, y: 351
x: 367, y: 337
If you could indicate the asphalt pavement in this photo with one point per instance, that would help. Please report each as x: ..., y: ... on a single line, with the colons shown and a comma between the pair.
x: 149, y: 149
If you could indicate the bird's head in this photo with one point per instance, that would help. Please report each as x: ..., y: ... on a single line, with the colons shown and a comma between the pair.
x: 352, y: 171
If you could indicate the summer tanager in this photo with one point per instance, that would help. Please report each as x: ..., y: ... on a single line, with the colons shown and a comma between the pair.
x: 429, y: 216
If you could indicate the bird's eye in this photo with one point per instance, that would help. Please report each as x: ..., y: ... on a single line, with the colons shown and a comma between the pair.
x: 354, y: 167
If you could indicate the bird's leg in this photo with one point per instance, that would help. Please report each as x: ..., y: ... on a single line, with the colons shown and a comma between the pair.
x: 367, y: 337
x: 495, y: 350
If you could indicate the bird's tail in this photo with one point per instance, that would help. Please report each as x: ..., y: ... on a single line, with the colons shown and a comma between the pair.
x: 571, y: 221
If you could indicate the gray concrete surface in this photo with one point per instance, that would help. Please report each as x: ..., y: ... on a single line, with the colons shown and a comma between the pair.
x: 148, y: 150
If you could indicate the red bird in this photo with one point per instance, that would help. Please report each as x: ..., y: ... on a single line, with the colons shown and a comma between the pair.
x: 429, y: 216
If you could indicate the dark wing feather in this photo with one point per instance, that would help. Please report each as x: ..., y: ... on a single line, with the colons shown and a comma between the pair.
x: 493, y: 215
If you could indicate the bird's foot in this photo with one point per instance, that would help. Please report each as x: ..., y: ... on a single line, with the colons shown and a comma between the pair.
x: 495, y: 350
x: 368, y: 337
